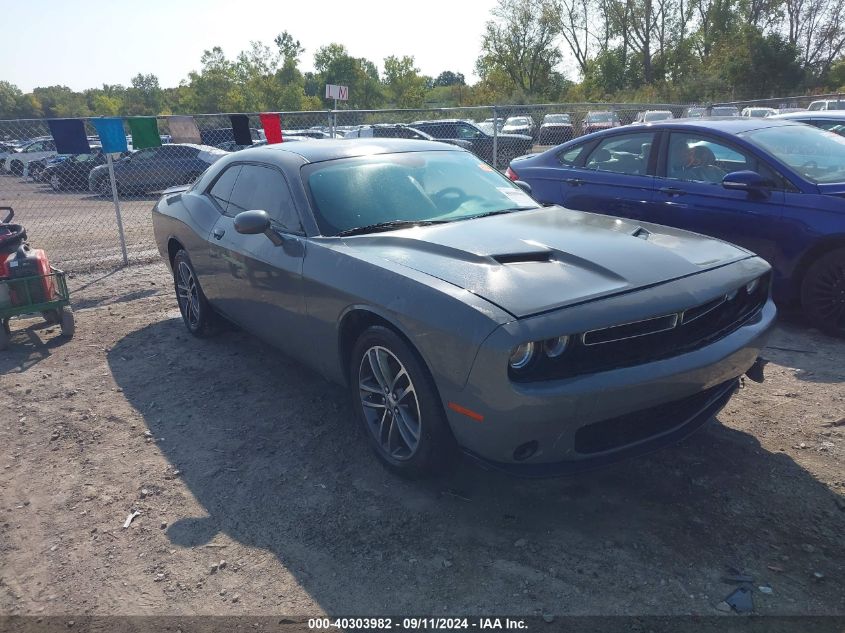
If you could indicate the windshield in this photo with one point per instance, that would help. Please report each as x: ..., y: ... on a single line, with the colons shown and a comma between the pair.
x: 725, y: 111
x: 517, y: 120
x: 439, y: 186
x: 556, y: 118
x: 600, y: 117
x: 657, y: 116
x: 817, y: 155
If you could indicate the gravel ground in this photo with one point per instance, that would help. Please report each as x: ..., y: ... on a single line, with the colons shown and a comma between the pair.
x: 257, y: 495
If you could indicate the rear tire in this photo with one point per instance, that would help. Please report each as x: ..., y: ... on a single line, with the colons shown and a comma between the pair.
x: 823, y: 293
x: 196, y: 312
x: 397, y: 405
x: 56, y: 182
x: 4, y: 334
x: 16, y: 167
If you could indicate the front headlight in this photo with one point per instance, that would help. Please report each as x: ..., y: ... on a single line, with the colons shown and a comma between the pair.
x: 554, y: 347
x: 521, y: 355
x: 751, y: 286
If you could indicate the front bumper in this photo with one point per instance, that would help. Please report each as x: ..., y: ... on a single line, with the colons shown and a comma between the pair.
x: 568, y: 419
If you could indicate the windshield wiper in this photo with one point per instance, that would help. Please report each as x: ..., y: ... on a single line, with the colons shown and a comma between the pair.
x: 388, y: 226
x: 487, y: 214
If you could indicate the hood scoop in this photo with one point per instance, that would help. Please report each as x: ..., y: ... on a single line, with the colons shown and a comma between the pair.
x: 519, y: 258
x: 641, y: 233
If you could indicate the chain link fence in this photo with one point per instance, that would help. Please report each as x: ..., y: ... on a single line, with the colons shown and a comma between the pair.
x: 72, y: 207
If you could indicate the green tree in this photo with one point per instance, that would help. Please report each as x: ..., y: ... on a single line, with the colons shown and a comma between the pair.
x: 405, y: 86
x: 520, y: 44
x: 334, y: 65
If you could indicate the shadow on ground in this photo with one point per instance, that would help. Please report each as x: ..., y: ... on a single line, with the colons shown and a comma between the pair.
x: 269, y: 450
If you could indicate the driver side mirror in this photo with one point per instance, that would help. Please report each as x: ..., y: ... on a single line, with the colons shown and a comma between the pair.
x: 252, y: 222
x: 255, y: 222
x: 749, y: 181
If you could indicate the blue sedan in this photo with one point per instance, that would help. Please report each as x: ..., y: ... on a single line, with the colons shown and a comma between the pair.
x: 776, y: 188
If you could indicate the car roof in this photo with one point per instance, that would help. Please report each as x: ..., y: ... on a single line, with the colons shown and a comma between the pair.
x: 730, y: 124
x: 331, y: 149
x: 811, y: 114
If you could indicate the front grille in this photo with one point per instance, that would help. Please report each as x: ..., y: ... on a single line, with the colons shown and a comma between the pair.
x: 660, y: 337
x: 634, y: 427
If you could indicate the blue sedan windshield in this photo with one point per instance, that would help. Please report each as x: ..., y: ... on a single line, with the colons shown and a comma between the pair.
x: 434, y: 186
x: 817, y: 155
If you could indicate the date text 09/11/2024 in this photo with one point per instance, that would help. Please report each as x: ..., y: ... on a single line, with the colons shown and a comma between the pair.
x: 411, y: 624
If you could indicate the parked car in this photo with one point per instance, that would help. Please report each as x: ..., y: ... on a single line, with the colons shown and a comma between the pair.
x: 724, y: 111
x: 319, y: 134
x: 758, y: 112
x: 694, y: 112
x: 774, y: 187
x: 827, y: 104
x: 499, y: 122
x: 18, y: 162
x: 155, y: 168
x: 520, y: 125
x: 651, y: 116
x: 508, y: 145
x: 603, y: 120
x: 224, y: 136
x: 459, y: 312
x: 73, y: 171
x: 399, y: 130
x: 831, y: 120
x: 555, y: 129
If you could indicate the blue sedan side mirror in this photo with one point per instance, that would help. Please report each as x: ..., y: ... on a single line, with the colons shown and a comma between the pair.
x: 748, y: 181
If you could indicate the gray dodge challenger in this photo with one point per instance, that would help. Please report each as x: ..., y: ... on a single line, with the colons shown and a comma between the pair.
x: 458, y: 312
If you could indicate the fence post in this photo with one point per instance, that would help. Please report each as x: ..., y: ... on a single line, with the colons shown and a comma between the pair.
x: 331, y: 123
x: 495, y: 138
x: 116, y: 200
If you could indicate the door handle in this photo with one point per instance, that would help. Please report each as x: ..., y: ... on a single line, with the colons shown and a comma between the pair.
x: 218, y: 233
x: 575, y: 182
x: 672, y: 191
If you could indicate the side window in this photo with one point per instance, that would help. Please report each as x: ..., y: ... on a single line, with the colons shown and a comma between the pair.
x: 221, y: 190
x: 264, y: 188
x: 622, y: 154
x: 466, y: 131
x: 569, y: 156
x: 700, y: 159
x: 150, y: 153
x: 35, y: 147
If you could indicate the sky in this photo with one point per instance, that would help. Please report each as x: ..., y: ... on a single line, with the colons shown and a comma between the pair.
x: 86, y: 43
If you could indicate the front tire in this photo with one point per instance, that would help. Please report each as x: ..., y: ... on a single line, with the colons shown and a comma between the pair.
x: 196, y: 313
x: 396, y: 401
x: 823, y: 293
x: 104, y: 188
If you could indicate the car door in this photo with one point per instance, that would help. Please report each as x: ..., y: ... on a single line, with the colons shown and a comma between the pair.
x: 254, y: 282
x: 174, y: 164
x: 139, y: 170
x: 481, y: 144
x: 690, y: 195
x: 613, y: 176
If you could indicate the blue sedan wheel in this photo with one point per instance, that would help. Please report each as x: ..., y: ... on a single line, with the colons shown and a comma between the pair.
x: 823, y: 293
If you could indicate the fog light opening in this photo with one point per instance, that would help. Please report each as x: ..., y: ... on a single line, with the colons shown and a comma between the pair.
x: 524, y: 451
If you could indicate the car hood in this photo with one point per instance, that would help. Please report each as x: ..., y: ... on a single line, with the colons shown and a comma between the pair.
x: 534, y: 261
x: 833, y: 189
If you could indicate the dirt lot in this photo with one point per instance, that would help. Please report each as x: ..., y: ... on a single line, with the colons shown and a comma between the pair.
x: 232, y: 452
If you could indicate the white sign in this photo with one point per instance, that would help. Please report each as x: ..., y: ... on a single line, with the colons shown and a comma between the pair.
x: 341, y: 93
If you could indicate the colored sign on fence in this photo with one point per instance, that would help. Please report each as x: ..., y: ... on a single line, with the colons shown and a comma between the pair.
x: 341, y: 93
